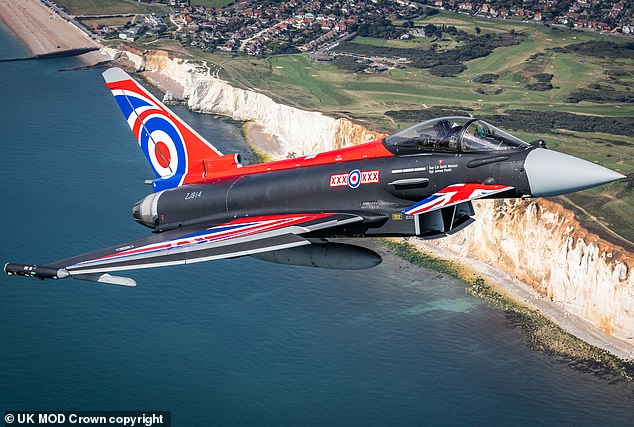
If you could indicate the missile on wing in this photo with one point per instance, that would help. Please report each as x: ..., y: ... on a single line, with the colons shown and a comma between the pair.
x: 29, y: 270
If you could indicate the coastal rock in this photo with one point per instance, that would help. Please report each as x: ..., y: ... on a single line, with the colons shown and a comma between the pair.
x: 543, y: 245
x: 298, y: 131
x: 349, y: 133
x: 124, y: 59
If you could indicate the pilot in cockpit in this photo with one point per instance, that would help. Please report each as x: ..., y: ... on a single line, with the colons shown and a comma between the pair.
x: 452, y: 134
x: 445, y: 132
x: 443, y: 129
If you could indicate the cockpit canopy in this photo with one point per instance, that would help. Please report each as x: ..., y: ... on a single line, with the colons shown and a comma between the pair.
x: 452, y: 135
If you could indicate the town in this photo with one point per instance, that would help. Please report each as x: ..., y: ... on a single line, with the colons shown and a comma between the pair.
x: 279, y: 27
x: 286, y: 27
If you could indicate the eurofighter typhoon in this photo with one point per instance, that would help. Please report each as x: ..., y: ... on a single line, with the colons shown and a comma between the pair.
x: 419, y: 182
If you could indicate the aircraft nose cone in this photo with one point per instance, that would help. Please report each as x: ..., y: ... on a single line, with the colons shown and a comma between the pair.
x: 551, y: 173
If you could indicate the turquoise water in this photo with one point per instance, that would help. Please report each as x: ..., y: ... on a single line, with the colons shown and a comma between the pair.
x: 234, y: 342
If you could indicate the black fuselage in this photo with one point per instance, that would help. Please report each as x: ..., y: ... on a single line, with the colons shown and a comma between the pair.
x: 382, y: 189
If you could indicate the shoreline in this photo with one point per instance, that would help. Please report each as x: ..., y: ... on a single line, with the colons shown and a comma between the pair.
x: 522, y: 294
x: 501, y: 281
x: 253, y: 132
x: 42, y: 31
x: 542, y: 332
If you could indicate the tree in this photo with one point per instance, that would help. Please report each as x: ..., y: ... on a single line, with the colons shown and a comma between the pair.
x: 477, y: 30
x: 430, y: 29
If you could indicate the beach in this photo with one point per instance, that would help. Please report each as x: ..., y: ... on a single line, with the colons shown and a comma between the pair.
x: 43, y: 31
x: 511, y: 287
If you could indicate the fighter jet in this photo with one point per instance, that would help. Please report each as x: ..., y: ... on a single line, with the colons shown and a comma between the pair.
x: 419, y: 182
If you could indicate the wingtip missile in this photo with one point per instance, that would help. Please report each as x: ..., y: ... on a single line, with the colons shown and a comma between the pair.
x: 31, y: 270
x: 44, y: 272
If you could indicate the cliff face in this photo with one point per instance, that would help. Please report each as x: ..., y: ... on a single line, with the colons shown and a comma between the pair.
x: 303, y: 132
x: 544, y: 246
x: 298, y: 131
x: 349, y: 133
x: 539, y: 242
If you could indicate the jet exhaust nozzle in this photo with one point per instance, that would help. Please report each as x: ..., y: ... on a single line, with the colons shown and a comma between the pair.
x: 337, y: 256
x: 145, y: 211
x: 551, y: 173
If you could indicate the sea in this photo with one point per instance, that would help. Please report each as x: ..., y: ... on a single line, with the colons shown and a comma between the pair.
x: 242, y: 341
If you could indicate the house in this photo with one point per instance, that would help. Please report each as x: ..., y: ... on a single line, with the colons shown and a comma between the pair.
x: 466, y: 6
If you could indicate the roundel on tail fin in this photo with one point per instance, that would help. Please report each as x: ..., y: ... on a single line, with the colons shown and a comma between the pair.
x: 163, y: 146
x: 168, y: 143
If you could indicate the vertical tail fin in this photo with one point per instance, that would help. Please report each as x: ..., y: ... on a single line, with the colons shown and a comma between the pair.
x: 169, y: 144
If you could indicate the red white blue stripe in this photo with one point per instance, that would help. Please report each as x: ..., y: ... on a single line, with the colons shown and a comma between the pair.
x: 454, y: 194
x: 238, y: 228
x: 168, y: 143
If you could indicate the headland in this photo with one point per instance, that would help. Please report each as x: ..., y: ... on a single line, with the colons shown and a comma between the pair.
x: 45, y: 32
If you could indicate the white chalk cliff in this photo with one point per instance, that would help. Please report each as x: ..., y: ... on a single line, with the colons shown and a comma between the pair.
x: 298, y: 131
x: 543, y: 245
x: 539, y: 242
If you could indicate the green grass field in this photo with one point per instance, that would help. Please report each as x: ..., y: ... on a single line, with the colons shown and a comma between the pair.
x: 106, y: 7
x: 468, y: 23
x: 416, y: 42
x: 108, y: 22
x: 296, y: 80
x: 217, y: 4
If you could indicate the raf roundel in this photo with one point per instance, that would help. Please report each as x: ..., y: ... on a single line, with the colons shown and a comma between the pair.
x: 163, y: 144
x: 162, y: 153
x: 156, y: 132
x: 354, y: 178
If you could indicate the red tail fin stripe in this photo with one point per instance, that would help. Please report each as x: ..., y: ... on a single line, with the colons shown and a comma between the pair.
x: 133, y: 119
x: 131, y: 88
x: 135, y: 94
x: 143, y: 115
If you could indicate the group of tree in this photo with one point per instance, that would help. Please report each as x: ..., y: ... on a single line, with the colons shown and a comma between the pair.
x: 600, y: 94
x: 444, y: 63
x: 350, y: 63
x: 418, y: 115
x: 530, y: 121
x: 542, y: 83
x: 382, y: 28
x: 281, y: 47
x: 379, y: 28
x: 486, y: 79
x: 600, y: 49
x: 545, y: 121
x: 599, y: 11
